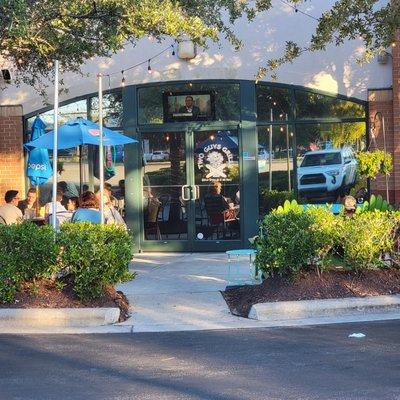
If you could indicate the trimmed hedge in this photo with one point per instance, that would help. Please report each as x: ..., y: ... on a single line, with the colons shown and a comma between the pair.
x: 294, y: 239
x: 95, y: 255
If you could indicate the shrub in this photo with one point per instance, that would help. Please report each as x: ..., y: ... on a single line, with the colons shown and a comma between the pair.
x: 365, y: 237
x: 26, y: 252
x: 96, y: 256
x: 327, y: 230
x: 288, y: 243
x: 371, y: 163
x: 271, y: 199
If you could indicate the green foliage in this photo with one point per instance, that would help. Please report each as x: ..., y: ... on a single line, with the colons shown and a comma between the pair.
x: 289, y: 206
x: 295, y: 238
x: 26, y: 252
x: 271, y: 199
x: 372, y: 163
x: 288, y: 243
x: 96, y: 256
x: 365, y: 237
x: 375, y: 203
x: 374, y: 23
x: 34, y: 33
x: 326, y: 230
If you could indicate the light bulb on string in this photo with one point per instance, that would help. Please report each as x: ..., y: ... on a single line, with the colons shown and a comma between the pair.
x: 148, y: 66
x: 123, y: 78
x: 109, y: 82
x: 173, y: 49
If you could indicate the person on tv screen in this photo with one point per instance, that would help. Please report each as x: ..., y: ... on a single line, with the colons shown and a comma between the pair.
x: 190, y: 108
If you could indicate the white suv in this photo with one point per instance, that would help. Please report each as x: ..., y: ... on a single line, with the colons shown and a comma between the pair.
x: 327, y: 173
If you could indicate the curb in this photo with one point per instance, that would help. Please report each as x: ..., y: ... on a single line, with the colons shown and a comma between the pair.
x: 323, y: 308
x: 42, y: 318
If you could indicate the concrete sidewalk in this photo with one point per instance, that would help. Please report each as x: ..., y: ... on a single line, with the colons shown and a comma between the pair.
x: 179, y: 292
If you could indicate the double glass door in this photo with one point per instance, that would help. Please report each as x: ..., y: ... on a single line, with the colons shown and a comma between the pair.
x: 191, y: 190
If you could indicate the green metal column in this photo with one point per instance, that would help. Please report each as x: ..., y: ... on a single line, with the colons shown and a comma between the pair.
x: 133, y: 165
x: 248, y: 162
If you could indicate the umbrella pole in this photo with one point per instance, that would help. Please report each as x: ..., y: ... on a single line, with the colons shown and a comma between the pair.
x: 37, y: 201
x: 80, y: 170
x: 101, y: 162
x: 55, y: 150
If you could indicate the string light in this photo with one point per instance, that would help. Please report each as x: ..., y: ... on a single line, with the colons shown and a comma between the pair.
x: 147, y: 61
x: 297, y: 10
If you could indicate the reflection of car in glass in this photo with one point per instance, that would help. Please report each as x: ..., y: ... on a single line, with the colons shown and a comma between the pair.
x: 159, y: 155
x: 263, y: 159
x: 327, y: 173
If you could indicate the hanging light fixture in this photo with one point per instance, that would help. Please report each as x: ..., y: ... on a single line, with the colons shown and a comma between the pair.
x: 148, y: 66
x: 123, y: 78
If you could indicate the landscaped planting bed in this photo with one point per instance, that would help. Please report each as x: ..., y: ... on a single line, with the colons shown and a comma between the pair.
x: 76, y: 267
x: 307, y: 254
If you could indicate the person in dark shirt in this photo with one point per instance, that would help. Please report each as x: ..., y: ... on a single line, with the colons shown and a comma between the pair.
x: 190, y: 108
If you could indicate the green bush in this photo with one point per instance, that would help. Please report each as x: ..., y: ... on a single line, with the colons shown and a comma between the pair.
x: 365, y: 237
x: 372, y: 163
x: 294, y: 238
x: 288, y: 243
x: 271, y: 199
x: 327, y: 231
x: 26, y: 252
x: 96, y: 256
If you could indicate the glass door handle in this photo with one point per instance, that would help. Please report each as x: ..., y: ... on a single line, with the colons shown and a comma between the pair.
x: 196, y: 192
x: 185, y: 189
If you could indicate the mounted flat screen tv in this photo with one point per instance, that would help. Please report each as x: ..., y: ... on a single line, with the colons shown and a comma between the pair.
x: 188, y: 106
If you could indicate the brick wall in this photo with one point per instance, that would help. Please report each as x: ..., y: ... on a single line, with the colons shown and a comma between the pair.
x: 387, y: 102
x: 11, y: 152
x: 396, y: 113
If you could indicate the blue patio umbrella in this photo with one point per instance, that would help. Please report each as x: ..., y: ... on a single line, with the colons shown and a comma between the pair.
x: 38, y: 168
x: 78, y: 132
x: 223, y: 139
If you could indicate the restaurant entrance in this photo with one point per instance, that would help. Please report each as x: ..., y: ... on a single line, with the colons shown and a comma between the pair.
x: 191, y: 190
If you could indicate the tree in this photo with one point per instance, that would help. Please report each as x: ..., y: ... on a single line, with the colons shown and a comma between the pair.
x: 33, y: 33
x: 371, y: 21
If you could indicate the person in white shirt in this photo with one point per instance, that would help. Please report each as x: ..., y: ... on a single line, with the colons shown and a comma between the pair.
x: 62, y: 214
x: 9, y: 212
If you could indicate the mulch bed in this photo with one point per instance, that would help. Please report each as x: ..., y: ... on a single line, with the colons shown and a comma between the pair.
x: 309, y: 286
x: 43, y: 294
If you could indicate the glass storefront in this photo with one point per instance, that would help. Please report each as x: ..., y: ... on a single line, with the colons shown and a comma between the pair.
x: 213, y: 156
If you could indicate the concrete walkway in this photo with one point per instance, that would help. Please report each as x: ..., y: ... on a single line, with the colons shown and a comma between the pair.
x: 180, y: 292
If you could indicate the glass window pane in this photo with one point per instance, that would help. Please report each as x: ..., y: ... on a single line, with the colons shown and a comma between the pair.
x: 227, y: 100
x: 275, y: 166
x: 112, y: 109
x: 311, y: 105
x: 326, y: 164
x: 165, y: 213
x: 273, y: 103
x: 216, y: 156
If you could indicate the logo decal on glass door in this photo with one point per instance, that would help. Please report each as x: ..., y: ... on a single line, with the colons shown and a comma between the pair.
x: 213, y: 162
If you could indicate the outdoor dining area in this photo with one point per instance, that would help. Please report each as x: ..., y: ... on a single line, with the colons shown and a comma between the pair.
x: 67, y: 202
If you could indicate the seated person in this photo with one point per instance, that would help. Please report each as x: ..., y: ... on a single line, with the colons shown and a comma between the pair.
x: 111, y: 214
x: 9, y: 212
x: 62, y: 214
x: 88, y: 209
x: 73, y: 204
x: 28, y: 206
x: 215, y: 204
